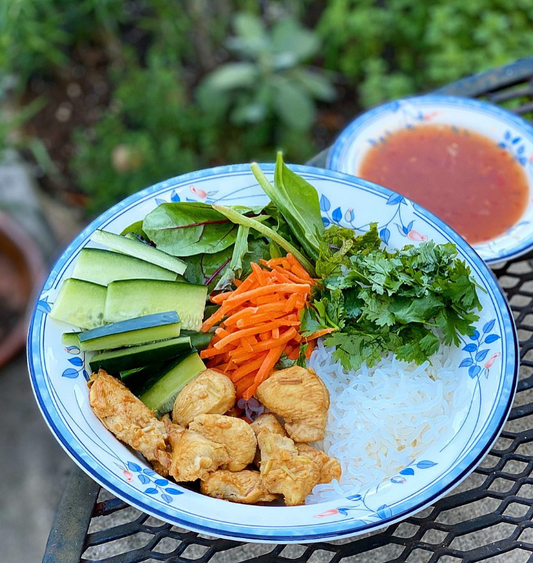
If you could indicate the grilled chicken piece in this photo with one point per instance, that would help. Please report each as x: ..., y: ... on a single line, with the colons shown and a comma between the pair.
x: 269, y: 423
x: 330, y: 468
x: 242, y: 486
x: 129, y: 419
x: 234, y: 433
x: 300, y: 398
x: 208, y: 393
x: 284, y: 471
x: 194, y: 456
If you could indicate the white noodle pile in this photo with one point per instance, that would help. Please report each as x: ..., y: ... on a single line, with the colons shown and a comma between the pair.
x: 381, y: 418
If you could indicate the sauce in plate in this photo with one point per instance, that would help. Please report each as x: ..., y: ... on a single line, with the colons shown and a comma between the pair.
x: 464, y: 178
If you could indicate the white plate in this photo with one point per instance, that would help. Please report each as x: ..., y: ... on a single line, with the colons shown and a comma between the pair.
x: 487, y: 363
x: 508, y: 131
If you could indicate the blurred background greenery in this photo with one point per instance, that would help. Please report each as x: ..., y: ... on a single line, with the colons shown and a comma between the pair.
x: 105, y: 97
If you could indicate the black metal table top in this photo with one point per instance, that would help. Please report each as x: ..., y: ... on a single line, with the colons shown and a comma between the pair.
x: 489, y: 515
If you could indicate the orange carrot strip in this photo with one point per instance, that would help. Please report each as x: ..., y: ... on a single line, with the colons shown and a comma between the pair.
x: 240, y: 372
x: 243, y: 384
x: 239, y: 355
x: 246, y: 332
x: 266, y: 299
x: 275, y: 334
x: 241, y: 314
x: 273, y: 342
x: 251, y: 339
x: 237, y: 283
x: 282, y: 277
x: 216, y: 317
x: 221, y: 332
x: 220, y: 297
x: 294, y: 353
x: 211, y: 352
x: 320, y: 333
x: 297, y: 268
x: 259, y: 273
x: 264, y: 371
x: 291, y: 302
x: 265, y: 290
x: 310, y: 348
x: 290, y: 276
x: 264, y: 336
x: 256, y: 319
x: 246, y: 345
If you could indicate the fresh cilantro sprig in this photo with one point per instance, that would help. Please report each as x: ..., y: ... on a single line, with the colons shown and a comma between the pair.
x: 379, y: 301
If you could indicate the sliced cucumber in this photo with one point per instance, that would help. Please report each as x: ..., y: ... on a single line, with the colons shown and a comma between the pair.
x: 127, y: 299
x: 71, y: 339
x: 141, y: 379
x: 161, y: 395
x: 199, y: 340
x: 104, y: 266
x: 116, y: 361
x: 140, y: 250
x: 131, y: 332
x: 80, y: 303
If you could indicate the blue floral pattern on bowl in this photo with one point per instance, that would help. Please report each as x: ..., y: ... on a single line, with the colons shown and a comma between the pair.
x: 509, y: 132
x: 59, y: 373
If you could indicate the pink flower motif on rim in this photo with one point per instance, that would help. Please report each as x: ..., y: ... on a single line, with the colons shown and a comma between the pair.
x: 491, y: 360
x: 197, y: 191
x: 431, y: 115
x: 327, y: 513
x: 415, y: 236
x: 128, y: 475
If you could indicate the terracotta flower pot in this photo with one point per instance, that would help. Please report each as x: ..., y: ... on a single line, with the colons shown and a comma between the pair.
x: 21, y: 270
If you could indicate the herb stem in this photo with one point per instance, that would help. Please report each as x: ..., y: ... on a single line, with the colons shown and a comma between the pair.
x: 237, y: 218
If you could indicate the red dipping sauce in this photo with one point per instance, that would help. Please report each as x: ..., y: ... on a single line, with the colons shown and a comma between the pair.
x: 464, y: 178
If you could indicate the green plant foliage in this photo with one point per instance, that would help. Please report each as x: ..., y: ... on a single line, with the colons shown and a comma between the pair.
x: 398, y: 47
x: 271, y: 78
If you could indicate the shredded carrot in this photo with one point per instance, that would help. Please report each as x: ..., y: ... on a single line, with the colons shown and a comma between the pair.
x: 294, y: 354
x: 320, y: 333
x: 310, y: 348
x: 258, y: 322
x: 220, y: 297
x: 265, y: 370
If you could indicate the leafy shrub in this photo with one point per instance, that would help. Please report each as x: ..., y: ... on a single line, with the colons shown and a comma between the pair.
x: 271, y: 80
x: 398, y: 47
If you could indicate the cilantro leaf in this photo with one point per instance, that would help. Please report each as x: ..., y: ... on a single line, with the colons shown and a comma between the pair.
x: 381, y: 301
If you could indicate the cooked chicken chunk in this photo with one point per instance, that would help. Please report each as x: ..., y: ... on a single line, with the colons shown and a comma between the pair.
x: 330, y: 468
x: 194, y: 456
x: 234, y: 433
x: 284, y: 471
x: 209, y: 393
x: 130, y: 420
x: 241, y: 486
x: 269, y: 423
x: 300, y: 398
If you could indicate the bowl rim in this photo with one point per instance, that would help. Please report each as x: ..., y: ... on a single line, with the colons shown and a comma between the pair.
x: 334, y: 530
x: 349, y: 135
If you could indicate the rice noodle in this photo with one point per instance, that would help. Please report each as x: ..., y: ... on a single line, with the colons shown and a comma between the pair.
x: 381, y: 418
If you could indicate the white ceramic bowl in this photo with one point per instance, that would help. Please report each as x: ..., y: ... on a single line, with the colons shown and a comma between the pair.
x: 487, y: 362
x: 508, y: 131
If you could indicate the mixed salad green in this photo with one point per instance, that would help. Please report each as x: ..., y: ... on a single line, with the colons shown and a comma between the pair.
x: 376, y: 300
